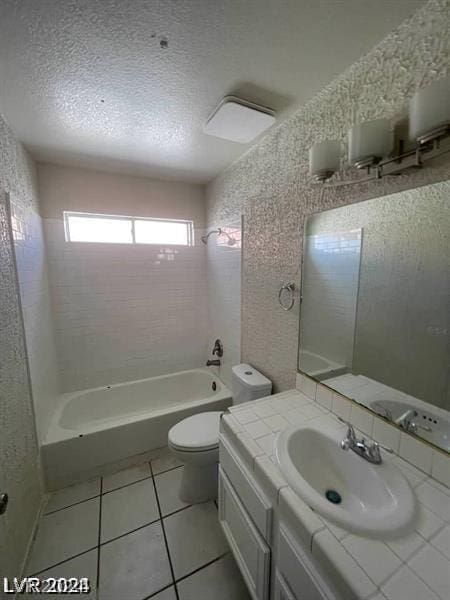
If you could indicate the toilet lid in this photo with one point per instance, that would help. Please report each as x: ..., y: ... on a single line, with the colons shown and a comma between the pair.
x: 199, y: 432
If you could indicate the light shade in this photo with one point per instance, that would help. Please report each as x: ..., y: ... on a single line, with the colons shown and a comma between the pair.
x: 238, y: 120
x: 429, y: 111
x: 369, y: 142
x: 324, y: 159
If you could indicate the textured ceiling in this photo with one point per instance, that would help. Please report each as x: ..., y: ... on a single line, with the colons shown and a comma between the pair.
x: 87, y: 81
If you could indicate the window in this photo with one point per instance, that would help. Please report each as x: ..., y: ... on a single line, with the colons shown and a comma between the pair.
x: 112, y: 229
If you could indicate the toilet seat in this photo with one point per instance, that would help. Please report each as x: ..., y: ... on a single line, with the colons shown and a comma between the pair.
x: 198, y: 433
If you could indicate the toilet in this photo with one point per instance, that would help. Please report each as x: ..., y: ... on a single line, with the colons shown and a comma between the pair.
x: 195, y: 440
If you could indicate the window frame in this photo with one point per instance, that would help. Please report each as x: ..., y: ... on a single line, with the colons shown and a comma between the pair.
x: 189, y: 223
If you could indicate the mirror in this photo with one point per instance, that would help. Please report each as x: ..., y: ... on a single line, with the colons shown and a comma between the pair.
x: 375, y: 311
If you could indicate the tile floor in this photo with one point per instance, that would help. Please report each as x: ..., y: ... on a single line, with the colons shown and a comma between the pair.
x: 134, y: 539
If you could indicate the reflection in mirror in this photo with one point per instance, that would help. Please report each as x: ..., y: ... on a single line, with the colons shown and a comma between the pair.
x: 375, y: 307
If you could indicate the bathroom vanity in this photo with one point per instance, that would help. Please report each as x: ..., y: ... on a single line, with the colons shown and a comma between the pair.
x: 287, y: 551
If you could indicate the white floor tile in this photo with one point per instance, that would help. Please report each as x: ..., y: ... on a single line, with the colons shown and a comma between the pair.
x: 134, y: 566
x: 168, y: 486
x: 72, y: 495
x: 167, y: 460
x: 125, y: 477
x: 194, y: 537
x: 222, y: 581
x: 63, y: 534
x: 81, y: 566
x: 127, y: 508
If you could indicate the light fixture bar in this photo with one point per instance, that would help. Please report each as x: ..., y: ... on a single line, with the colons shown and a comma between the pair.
x: 397, y: 164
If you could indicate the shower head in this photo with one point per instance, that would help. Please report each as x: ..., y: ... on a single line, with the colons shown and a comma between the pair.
x: 206, y: 237
x: 219, y: 231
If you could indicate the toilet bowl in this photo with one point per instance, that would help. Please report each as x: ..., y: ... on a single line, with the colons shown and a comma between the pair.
x: 195, y: 440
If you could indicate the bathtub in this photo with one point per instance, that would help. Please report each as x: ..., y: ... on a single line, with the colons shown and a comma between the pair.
x: 95, y: 428
x: 318, y: 366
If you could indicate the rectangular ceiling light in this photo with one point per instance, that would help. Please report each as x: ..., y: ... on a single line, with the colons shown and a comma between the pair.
x: 238, y: 120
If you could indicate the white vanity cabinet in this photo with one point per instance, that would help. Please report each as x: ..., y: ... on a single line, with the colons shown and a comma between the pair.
x: 246, y: 518
x: 260, y: 544
x: 250, y: 550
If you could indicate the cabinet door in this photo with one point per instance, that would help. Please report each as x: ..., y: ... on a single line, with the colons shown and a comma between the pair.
x: 251, y: 552
x: 299, y: 572
x: 282, y: 591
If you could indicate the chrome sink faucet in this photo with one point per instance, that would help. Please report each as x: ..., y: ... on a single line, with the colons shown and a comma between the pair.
x: 370, y: 452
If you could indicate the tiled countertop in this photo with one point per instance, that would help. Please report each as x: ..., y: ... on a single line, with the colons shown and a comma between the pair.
x: 415, y: 567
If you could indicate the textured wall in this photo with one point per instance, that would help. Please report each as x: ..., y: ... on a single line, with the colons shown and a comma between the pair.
x: 123, y: 312
x: 271, y: 187
x: 20, y: 470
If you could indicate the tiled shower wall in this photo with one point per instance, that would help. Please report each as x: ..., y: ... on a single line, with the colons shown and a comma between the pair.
x: 224, y: 295
x: 20, y: 472
x: 123, y: 312
x: 36, y: 310
x: 271, y: 187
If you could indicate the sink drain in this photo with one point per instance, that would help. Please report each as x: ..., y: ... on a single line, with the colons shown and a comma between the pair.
x: 333, y: 496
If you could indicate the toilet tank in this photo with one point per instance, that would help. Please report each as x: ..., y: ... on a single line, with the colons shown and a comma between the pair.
x: 249, y: 384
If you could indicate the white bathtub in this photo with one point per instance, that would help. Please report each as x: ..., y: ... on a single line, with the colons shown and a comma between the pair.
x: 96, y: 427
x: 318, y: 366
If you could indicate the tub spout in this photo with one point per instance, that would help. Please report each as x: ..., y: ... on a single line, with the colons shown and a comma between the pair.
x: 213, y: 363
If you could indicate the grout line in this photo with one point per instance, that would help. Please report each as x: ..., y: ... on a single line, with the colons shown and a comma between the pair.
x: 153, y: 594
x: 63, y: 561
x: 202, y: 567
x: 118, y: 537
x: 99, y: 534
x: 164, y: 533
x: 121, y: 487
x: 174, y: 512
x: 70, y: 505
x: 167, y: 470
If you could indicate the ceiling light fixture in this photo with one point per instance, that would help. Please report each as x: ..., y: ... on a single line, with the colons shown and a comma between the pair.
x: 238, y: 120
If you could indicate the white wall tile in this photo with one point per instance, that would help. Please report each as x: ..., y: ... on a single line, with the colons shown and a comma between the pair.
x: 386, y: 434
x: 416, y: 452
x: 32, y: 274
x: 308, y: 386
x: 342, y: 407
x: 440, y: 468
x: 125, y: 312
x: 361, y: 419
x: 324, y: 396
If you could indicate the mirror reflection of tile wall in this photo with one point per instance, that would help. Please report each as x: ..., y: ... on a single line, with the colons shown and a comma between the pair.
x: 376, y: 305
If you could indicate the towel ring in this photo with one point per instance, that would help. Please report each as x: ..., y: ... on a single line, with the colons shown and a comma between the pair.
x: 290, y: 287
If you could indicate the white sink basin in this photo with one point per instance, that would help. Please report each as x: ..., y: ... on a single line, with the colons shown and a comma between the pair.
x: 375, y: 500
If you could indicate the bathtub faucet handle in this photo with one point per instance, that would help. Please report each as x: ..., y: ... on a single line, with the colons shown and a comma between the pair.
x: 218, y: 348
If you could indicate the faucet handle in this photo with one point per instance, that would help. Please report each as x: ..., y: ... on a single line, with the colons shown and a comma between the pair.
x: 375, y: 448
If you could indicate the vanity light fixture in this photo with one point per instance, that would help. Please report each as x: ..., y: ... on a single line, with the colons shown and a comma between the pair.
x: 324, y: 159
x: 429, y: 112
x: 371, y: 142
